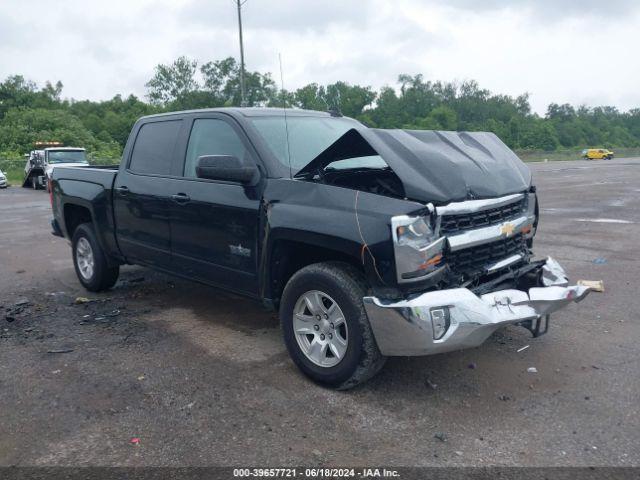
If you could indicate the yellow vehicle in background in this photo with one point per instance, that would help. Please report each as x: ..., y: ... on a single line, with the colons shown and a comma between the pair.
x: 597, y: 154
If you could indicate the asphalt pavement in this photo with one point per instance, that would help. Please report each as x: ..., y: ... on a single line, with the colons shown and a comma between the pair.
x: 164, y: 372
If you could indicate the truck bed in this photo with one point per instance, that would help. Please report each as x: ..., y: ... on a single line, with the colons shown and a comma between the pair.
x: 101, y: 174
x: 89, y: 188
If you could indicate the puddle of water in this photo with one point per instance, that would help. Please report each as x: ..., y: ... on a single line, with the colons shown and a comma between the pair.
x: 603, y: 220
x: 568, y: 210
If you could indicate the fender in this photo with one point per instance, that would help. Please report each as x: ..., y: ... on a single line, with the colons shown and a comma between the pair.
x: 96, y: 199
x: 351, y: 222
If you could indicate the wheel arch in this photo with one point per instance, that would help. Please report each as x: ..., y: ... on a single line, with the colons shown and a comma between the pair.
x: 287, y: 256
x: 76, y: 213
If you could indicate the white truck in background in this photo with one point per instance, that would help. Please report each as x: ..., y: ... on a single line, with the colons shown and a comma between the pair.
x: 41, y: 162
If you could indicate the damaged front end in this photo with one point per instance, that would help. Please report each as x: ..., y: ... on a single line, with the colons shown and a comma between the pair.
x: 462, y: 257
x: 453, y: 319
x: 472, y: 263
x: 477, y: 244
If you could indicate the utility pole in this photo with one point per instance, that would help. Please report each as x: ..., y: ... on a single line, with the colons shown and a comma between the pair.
x: 243, y: 100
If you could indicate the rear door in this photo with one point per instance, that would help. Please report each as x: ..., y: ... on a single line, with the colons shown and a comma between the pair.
x: 141, y: 193
x: 214, y: 224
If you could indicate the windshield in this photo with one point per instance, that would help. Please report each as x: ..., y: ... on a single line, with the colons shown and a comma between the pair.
x: 67, y: 156
x: 308, y: 136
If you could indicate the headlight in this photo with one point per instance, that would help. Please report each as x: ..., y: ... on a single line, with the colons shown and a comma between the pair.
x: 417, y: 250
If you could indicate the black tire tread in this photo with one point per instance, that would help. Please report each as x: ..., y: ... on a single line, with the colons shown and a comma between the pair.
x: 351, y: 282
x: 105, y: 276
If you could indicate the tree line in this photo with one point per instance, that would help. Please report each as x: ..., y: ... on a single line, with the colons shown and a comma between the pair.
x: 29, y: 113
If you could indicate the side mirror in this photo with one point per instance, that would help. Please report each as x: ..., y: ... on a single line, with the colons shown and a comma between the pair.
x: 225, y: 167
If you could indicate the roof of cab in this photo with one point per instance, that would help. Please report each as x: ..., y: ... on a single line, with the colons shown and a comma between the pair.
x: 67, y: 149
x: 247, y: 112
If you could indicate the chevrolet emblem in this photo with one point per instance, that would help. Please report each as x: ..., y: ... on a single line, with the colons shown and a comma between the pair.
x: 507, y: 229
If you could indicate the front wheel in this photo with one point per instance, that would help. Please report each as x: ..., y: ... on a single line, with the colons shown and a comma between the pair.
x: 93, y: 270
x: 325, y: 326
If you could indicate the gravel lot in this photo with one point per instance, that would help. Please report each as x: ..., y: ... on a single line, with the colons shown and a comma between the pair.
x: 201, y: 377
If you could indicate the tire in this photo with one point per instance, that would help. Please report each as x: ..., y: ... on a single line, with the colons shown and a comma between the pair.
x: 339, y: 283
x: 85, y: 248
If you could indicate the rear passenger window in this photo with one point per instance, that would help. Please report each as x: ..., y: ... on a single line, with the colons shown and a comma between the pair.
x: 212, y: 137
x: 153, y: 150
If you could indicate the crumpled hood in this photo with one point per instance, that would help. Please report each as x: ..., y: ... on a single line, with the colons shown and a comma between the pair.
x: 435, y: 166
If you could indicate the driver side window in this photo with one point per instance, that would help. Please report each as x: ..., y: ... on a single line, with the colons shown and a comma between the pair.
x: 210, y: 136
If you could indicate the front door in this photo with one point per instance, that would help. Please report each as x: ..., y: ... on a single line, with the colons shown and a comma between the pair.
x: 141, y: 197
x: 214, y: 224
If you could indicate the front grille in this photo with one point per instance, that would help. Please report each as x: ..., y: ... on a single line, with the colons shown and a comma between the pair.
x: 473, y: 260
x: 459, y: 222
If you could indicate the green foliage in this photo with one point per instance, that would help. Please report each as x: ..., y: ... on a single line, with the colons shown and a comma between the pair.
x: 172, y: 82
x: 22, y: 127
x: 29, y: 113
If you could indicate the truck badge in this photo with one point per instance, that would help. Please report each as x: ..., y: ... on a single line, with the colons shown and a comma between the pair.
x: 507, y: 229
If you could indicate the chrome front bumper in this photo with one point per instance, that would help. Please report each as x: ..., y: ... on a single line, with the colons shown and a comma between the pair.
x: 405, y: 327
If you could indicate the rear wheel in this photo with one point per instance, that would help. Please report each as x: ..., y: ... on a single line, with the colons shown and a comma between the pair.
x: 90, y: 262
x: 325, y: 326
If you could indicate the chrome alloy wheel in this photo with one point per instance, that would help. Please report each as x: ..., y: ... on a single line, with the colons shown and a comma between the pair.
x: 320, y: 328
x: 84, y: 258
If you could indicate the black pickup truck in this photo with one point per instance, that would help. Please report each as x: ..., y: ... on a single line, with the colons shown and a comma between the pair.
x: 370, y: 242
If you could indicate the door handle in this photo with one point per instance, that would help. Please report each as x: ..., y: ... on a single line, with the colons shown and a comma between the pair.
x: 181, y: 198
x: 122, y: 190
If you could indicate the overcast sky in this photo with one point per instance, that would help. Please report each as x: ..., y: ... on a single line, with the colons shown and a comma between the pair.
x: 558, y: 51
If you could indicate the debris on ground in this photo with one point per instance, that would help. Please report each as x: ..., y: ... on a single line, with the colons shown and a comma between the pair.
x: 472, y: 366
x: 522, y: 349
x: 594, y: 285
x: 134, y: 441
x: 532, y: 370
x: 16, y: 310
x: 504, y: 398
x: 62, y: 350
x: 141, y: 377
x: 430, y: 384
x: 599, y: 261
x: 440, y: 436
x: 81, y: 300
x: 20, y: 271
x: 22, y: 302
